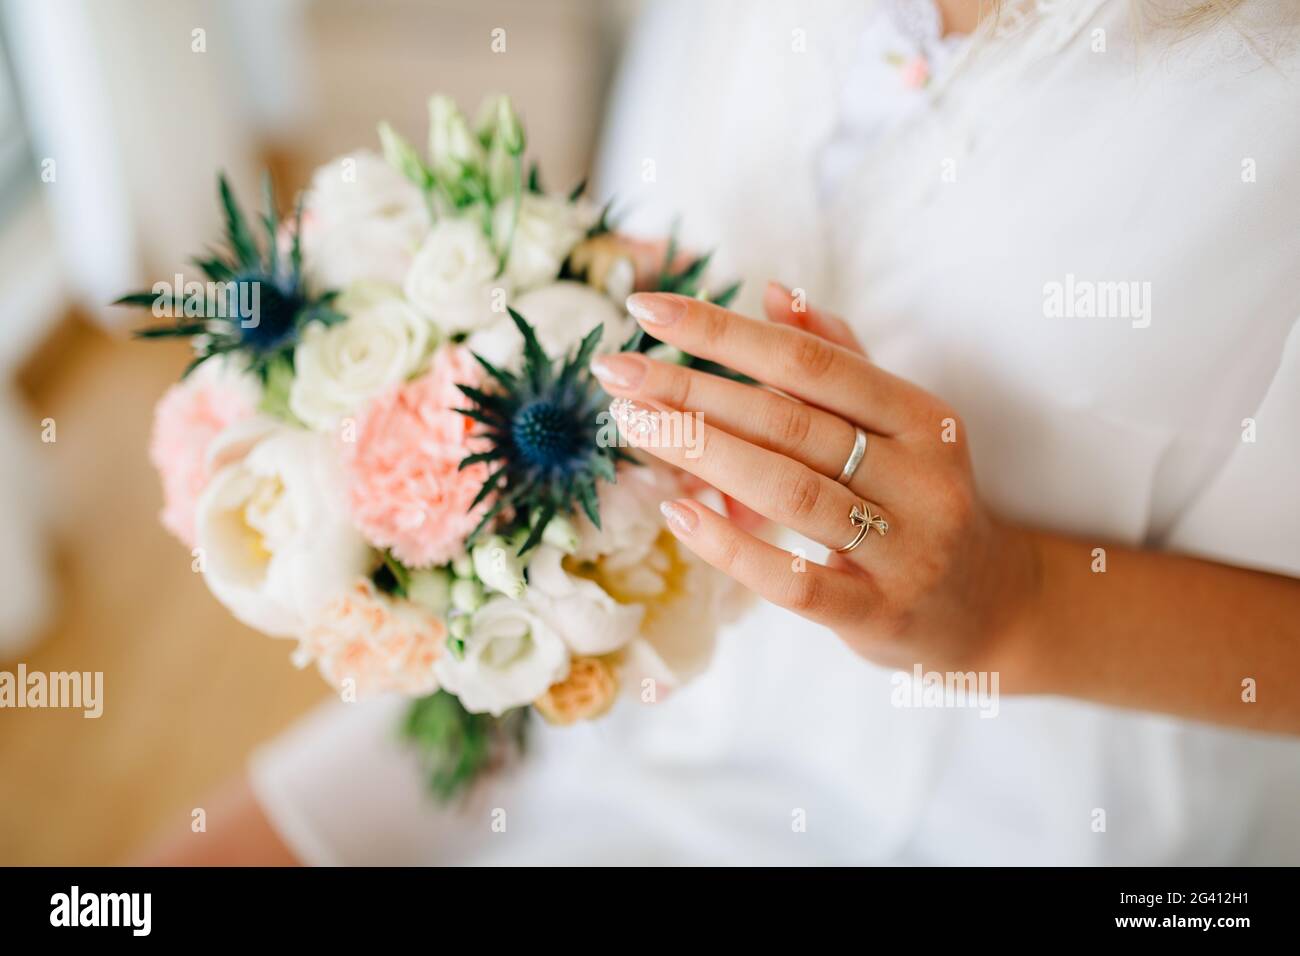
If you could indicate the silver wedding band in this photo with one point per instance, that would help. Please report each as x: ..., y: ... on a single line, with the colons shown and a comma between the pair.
x: 855, y: 457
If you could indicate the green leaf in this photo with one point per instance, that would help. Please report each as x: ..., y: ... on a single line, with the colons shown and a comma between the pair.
x: 507, y: 379
x: 497, y: 507
x: 295, y: 250
x: 602, y: 466
x: 171, y: 331
x: 241, y: 240
x: 489, y: 486
x: 537, y: 366
x: 271, y: 221
x: 477, y: 457
x: 539, y: 528
x: 590, y: 505
x: 482, y: 416
x: 576, y: 192
x: 582, y: 358
x: 724, y: 297
x: 457, y: 747
x: 486, y: 401
x: 634, y: 343
x: 143, y: 300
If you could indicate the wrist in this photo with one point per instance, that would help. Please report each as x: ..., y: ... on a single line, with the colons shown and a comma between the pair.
x: 1019, y: 646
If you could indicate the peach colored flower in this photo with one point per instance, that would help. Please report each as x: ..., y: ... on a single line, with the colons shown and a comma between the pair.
x: 405, y: 488
x: 378, y: 642
x: 186, y: 420
x: 585, y: 694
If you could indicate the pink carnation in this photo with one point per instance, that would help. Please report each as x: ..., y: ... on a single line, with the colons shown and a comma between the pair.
x: 406, y: 491
x: 378, y: 642
x: 186, y: 420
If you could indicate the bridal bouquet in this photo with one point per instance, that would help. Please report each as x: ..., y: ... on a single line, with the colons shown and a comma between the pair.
x: 388, y: 446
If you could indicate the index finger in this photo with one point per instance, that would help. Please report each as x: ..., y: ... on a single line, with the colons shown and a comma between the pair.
x: 795, y: 361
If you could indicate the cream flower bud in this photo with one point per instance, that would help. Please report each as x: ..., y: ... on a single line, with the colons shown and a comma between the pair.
x: 561, y: 534
x: 401, y: 155
x: 498, y: 124
x: 499, y: 567
x: 452, y: 147
x: 430, y: 588
x: 467, y: 595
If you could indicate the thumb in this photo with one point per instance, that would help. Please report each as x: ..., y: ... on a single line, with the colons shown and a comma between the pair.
x: 785, y: 307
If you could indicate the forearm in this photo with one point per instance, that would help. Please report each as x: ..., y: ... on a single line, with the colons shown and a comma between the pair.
x: 1164, y: 633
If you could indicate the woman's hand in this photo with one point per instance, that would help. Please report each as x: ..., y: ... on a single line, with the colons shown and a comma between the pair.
x: 945, y: 584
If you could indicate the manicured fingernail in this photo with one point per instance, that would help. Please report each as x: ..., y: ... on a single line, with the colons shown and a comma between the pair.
x: 654, y: 309
x: 681, y: 518
x: 621, y: 371
x: 637, y: 422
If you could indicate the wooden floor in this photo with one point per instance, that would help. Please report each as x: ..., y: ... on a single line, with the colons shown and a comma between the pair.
x: 187, y: 690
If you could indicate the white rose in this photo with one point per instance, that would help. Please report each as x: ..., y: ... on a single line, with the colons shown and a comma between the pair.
x: 453, y: 277
x: 562, y: 313
x: 546, y: 231
x: 512, y: 655
x: 339, y: 367
x: 586, y: 616
x: 362, y: 220
x: 273, y: 529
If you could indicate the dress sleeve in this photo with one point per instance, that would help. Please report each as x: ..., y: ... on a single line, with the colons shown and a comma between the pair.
x: 1249, y: 513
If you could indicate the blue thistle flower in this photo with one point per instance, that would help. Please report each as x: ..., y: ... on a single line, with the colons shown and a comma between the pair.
x: 254, y: 304
x: 541, y: 426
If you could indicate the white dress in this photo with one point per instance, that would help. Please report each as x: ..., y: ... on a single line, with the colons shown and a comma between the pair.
x: 1058, y: 154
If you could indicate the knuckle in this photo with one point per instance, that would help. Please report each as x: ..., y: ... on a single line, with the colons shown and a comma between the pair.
x: 803, y: 493
x: 712, y: 323
x: 789, y: 423
x: 801, y: 593
x: 956, y: 501
x: 677, y: 387
x: 810, y: 357
x: 727, y: 554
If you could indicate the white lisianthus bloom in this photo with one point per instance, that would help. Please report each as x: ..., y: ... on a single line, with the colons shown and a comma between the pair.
x: 362, y: 219
x: 540, y: 238
x: 273, y: 529
x: 453, y: 277
x: 637, y: 561
x: 338, y: 367
x: 586, y: 616
x: 511, y: 656
x: 561, y: 313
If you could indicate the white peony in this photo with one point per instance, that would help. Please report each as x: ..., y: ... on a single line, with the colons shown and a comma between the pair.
x: 362, y: 220
x: 273, y: 530
x: 587, y: 617
x: 339, y: 367
x: 511, y: 656
x: 454, y: 275
x: 562, y: 313
x: 540, y: 238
